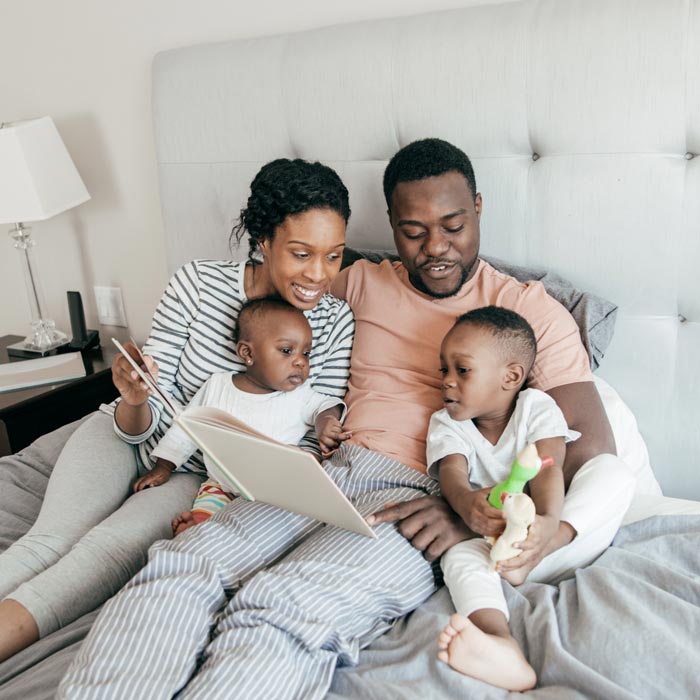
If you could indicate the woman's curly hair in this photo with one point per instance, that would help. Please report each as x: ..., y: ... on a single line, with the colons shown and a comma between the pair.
x: 285, y: 187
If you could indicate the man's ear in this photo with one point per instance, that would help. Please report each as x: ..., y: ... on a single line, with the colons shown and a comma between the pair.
x: 513, y: 376
x: 245, y: 351
x: 478, y: 205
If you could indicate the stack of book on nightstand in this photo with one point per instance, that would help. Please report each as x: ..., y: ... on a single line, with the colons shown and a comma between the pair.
x: 42, y: 370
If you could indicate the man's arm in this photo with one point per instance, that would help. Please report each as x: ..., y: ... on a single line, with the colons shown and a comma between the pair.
x: 583, y: 409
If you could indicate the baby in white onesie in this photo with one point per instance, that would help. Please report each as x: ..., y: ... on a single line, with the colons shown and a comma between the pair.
x: 486, y: 421
x: 272, y: 396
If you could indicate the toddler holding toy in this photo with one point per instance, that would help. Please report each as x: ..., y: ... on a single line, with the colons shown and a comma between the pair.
x: 487, y: 419
x: 273, y: 338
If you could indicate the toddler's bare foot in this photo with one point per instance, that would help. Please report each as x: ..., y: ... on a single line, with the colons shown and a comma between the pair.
x: 486, y: 657
x: 183, y: 522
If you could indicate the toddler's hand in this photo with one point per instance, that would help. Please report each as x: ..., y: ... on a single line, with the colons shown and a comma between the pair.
x: 156, y: 477
x: 480, y: 515
x: 330, y: 434
x: 533, y: 548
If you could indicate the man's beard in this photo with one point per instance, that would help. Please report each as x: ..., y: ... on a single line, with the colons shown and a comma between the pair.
x: 417, y: 282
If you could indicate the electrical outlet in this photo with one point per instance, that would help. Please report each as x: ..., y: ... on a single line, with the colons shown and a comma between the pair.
x: 110, y: 306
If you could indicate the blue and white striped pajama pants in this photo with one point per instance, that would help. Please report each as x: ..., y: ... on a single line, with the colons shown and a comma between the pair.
x: 257, y: 602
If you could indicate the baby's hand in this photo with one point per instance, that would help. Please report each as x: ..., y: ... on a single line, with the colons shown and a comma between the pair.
x: 480, y: 515
x: 156, y: 477
x: 330, y: 434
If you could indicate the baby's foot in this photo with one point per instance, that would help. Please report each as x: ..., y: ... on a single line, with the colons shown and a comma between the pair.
x: 486, y: 657
x: 183, y: 522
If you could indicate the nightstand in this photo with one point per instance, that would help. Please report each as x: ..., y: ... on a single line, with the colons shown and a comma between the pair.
x: 26, y: 414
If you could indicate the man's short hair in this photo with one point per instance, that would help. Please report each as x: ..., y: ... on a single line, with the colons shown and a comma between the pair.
x: 512, y: 332
x: 253, y: 312
x: 426, y: 158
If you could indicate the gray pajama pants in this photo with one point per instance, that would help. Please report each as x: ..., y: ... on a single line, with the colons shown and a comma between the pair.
x: 257, y: 602
x: 92, y: 534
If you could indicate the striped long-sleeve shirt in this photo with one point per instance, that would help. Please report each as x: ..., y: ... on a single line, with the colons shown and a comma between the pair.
x: 192, y: 338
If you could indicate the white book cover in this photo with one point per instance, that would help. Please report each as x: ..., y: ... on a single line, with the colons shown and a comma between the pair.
x: 262, y: 469
x: 41, y: 370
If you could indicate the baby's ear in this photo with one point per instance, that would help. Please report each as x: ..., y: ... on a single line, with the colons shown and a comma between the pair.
x: 513, y: 376
x: 245, y: 351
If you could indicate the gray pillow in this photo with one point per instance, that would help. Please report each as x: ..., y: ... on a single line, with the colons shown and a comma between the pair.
x: 594, y: 316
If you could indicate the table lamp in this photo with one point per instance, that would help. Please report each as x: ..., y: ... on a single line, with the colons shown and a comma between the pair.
x: 37, y: 181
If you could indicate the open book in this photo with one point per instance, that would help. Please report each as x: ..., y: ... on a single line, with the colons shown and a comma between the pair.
x: 257, y: 467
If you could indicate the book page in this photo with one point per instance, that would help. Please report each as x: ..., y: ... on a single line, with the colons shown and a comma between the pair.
x: 209, y: 415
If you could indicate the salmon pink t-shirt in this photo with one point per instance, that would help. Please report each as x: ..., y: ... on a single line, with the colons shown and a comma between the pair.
x: 395, y: 379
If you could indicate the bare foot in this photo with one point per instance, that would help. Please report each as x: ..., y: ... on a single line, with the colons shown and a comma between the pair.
x: 183, y: 522
x: 486, y: 657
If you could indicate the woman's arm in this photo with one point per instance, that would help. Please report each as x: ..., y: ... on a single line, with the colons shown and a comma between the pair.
x: 333, y: 344
x: 138, y: 414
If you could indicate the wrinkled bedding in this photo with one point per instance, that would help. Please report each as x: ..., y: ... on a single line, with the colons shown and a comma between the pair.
x: 625, y: 627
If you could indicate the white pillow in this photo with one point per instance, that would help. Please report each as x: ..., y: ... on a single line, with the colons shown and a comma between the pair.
x: 631, y: 447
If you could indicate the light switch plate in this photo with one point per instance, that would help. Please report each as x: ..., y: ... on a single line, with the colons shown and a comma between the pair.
x: 110, y: 306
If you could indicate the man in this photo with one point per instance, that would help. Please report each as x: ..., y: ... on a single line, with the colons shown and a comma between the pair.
x: 211, y: 615
x: 435, y: 209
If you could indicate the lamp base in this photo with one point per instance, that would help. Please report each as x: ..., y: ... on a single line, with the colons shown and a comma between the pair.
x: 43, y: 340
x: 26, y: 352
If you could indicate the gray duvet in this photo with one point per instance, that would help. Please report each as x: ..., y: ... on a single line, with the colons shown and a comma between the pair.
x: 627, y: 626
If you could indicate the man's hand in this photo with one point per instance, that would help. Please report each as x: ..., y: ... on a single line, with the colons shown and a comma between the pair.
x: 330, y: 434
x: 480, y: 515
x: 428, y: 523
x: 156, y: 477
x: 534, y: 549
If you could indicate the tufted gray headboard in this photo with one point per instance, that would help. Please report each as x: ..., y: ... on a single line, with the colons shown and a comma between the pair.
x: 583, y: 121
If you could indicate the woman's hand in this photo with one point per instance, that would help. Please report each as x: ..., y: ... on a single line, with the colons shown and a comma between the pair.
x: 428, y: 523
x: 131, y: 387
x: 159, y: 475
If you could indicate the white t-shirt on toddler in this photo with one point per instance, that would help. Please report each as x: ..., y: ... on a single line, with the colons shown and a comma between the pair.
x: 536, y: 417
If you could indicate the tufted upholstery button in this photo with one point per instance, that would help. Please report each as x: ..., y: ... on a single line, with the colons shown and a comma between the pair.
x: 689, y: 156
x: 682, y: 318
x: 535, y: 156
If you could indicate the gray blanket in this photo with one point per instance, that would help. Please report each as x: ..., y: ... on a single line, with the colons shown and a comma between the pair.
x: 626, y: 627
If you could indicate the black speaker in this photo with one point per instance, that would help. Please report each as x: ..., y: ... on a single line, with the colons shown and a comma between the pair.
x: 83, y: 339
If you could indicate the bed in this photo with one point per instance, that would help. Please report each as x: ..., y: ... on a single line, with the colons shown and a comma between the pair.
x: 583, y: 121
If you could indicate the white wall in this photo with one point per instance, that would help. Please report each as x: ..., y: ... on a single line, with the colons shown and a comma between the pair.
x: 87, y: 64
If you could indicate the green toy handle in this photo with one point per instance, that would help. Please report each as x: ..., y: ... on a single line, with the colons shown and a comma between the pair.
x: 525, y: 466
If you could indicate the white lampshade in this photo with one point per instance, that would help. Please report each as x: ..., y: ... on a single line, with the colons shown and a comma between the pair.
x: 37, y: 176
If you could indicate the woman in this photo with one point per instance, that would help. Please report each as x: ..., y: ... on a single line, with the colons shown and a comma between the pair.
x: 74, y: 558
